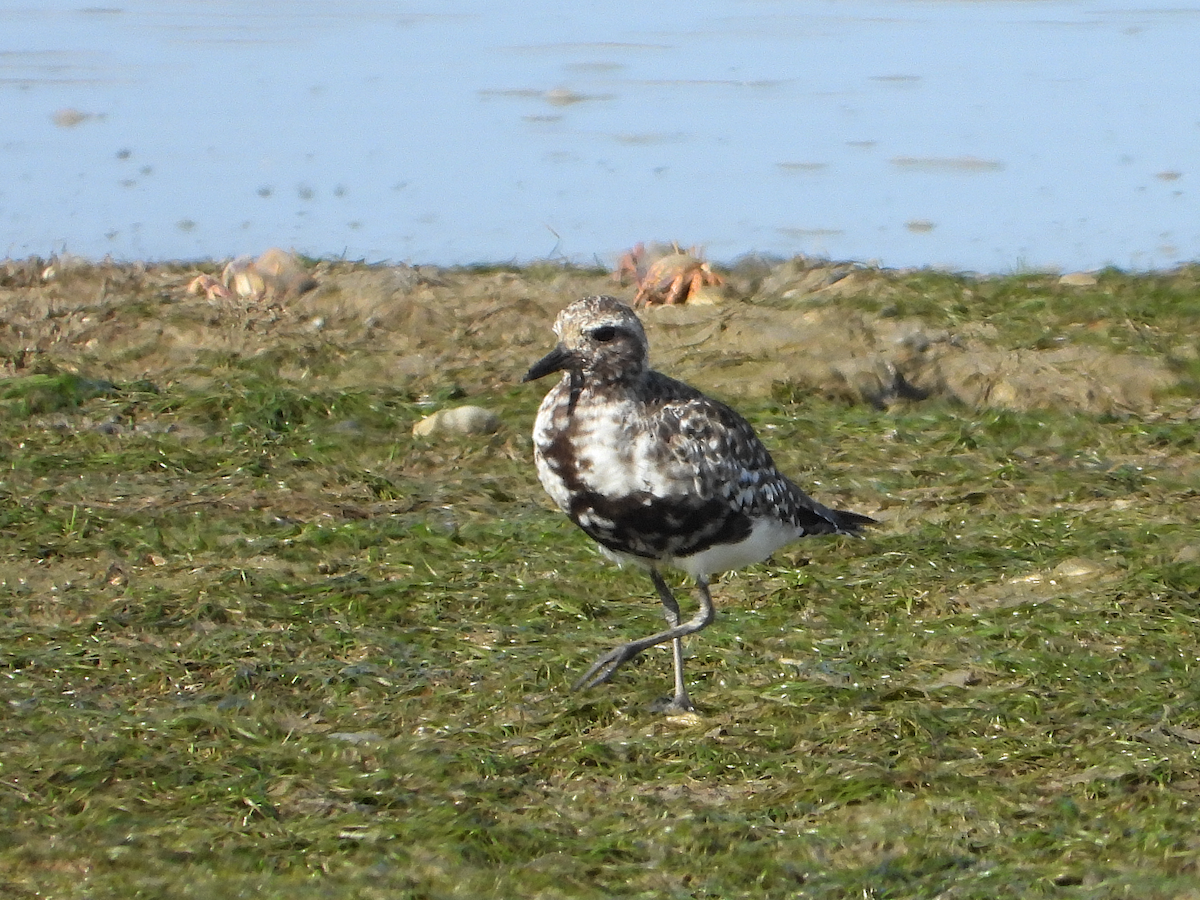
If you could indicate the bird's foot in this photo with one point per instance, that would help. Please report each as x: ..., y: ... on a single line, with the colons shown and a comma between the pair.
x: 673, y: 706
x: 603, y: 668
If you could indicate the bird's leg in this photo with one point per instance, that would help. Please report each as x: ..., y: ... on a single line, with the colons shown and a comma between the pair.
x: 604, y: 667
x: 671, y: 613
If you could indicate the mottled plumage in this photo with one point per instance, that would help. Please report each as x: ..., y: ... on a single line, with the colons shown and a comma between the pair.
x: 657, y: 473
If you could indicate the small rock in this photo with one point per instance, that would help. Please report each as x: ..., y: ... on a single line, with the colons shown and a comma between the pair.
x: 1078, y: 279
x: 960, y: 678
x: 355, y: 737
x: 1187, y: 554
x: 1075, y: 568
x: 459, y: 420
x: 69, y: 118
x: 562, y: 96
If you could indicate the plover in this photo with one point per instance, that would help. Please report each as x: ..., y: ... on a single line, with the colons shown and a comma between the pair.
x: 658, y: 474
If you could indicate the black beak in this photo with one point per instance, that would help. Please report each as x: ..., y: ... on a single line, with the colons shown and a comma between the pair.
x: 555, y: 361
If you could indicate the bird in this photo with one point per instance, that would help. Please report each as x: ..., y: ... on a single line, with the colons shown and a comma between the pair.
x: 658, y: 474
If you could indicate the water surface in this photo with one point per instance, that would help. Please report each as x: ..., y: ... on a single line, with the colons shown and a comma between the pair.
x: 989, y: 136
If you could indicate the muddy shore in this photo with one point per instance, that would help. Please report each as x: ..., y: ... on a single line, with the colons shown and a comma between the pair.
x: 840, y: 329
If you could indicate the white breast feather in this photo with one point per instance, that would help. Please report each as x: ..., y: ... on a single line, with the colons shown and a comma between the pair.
x: 616, y: 458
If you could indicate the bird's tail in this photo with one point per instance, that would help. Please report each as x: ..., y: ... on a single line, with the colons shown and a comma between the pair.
x: 851, y: 522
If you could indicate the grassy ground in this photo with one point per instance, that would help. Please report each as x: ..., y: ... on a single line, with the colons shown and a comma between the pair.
x: 258, y: 640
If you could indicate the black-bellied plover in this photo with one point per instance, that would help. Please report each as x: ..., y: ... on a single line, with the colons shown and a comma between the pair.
x: 657, y: 473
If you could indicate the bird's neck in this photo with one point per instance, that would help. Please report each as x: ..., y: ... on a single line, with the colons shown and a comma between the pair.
x: 612, y: 378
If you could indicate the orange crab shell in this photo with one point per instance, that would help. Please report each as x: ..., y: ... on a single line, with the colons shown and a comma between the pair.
x: 207, y: 284
x: 675, y: 279
x: 275, y: 275
x: 631, y: 265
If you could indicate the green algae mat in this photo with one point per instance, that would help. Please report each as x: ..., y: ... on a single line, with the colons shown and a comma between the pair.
x: 259, y: 640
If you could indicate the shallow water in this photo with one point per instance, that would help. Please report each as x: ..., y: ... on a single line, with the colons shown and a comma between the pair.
x: 990, y: 136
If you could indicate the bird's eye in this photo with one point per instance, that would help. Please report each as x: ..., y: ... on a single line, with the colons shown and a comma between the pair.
x: 604, y: 334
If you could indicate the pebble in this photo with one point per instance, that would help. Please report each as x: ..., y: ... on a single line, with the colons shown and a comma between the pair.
x: 459, y: 420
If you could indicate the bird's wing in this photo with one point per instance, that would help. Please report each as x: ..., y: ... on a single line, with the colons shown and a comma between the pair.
x: 714, y: 455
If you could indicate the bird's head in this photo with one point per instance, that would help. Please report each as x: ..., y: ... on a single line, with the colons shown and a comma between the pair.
x: 599, y: 338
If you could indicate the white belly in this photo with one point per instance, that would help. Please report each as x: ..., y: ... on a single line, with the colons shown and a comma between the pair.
x: 767, y: 537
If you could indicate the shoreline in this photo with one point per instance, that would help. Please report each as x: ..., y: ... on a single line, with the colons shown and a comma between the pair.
x: 607, y: 260
x: 1105, y: 343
